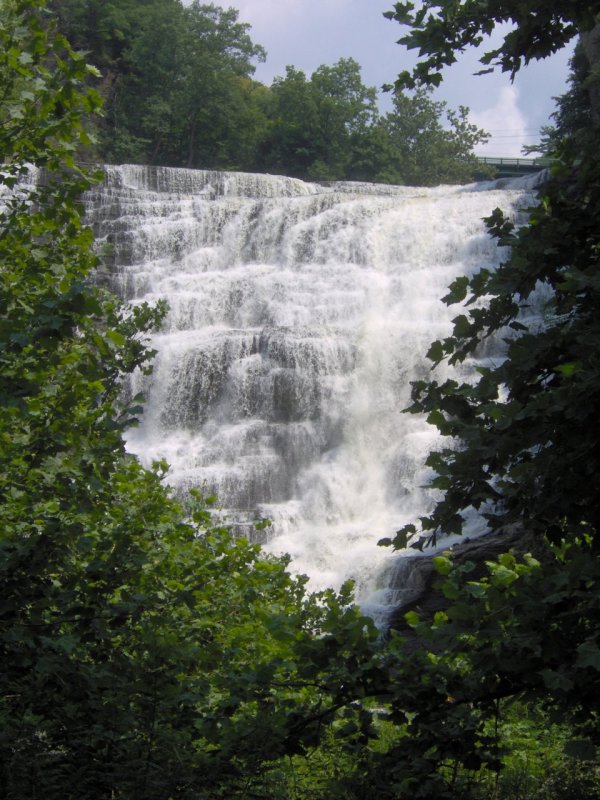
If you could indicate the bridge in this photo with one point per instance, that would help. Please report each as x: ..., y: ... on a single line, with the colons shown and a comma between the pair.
x: 513, y: 167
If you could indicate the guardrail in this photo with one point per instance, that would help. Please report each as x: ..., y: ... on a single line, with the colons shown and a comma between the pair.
x: 514, y: 166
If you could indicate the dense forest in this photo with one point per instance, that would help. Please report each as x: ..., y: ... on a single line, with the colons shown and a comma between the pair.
x: 148, y: 654
x: 178, y: 91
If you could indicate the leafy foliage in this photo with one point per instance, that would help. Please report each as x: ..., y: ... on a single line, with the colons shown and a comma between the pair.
x: 316, y: 125
x: 422, y: 150
x: 176, y: 79
x: 530, y: 419
x: 328, y: 128
x: 440, y: 29
x: 145, y: 653
x: 523, y: 450
x: 178, y: 89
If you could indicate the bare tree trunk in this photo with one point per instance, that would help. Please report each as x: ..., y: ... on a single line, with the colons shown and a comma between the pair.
x: 590, y: 42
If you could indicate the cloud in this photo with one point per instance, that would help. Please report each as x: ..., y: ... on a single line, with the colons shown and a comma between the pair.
x: 507, y: 124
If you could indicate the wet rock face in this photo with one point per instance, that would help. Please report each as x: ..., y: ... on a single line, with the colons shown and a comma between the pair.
x: 424, y: 598
x: 299, y: 314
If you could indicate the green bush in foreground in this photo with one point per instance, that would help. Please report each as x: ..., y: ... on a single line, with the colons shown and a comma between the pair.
x: 145, y: 653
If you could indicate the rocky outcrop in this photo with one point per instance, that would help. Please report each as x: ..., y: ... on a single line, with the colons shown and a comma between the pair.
x: 419, y: 575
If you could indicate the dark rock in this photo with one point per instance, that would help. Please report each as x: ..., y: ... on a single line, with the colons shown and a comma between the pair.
x: 420, y: 576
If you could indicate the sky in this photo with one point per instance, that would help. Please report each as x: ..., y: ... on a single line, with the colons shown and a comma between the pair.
x: 308, y: 33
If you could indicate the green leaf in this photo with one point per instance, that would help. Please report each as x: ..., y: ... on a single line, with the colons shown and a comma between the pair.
x: 442, y: 565
x: 556, y: 680
x: 588, y: 655
x: 569, y: 369
x: 412, y: 618
x: 115, y: 337
x: 462, y: 326
x: 436, y: 418
x: 458, y: 290
x: 478, y: 590
x: 435, y: 352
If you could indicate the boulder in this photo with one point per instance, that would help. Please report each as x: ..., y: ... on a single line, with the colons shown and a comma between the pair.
x: 416, y: 576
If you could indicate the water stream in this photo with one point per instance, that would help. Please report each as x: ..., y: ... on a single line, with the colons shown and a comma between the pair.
x: 299, y: 315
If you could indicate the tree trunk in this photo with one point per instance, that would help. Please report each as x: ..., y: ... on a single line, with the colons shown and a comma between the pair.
x: 590, y: 42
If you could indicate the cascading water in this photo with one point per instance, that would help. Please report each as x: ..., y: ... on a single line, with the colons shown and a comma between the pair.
x: 299, y: 315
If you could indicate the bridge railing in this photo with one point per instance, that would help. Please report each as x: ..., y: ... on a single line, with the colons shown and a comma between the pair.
x: 526, y: 163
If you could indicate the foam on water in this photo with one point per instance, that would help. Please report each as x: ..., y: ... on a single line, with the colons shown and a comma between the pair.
x: 299, y: 315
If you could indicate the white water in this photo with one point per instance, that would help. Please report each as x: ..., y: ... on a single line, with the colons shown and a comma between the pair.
x: 299, y: 314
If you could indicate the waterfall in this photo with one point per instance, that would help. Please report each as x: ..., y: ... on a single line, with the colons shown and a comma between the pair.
x: 299, y: 315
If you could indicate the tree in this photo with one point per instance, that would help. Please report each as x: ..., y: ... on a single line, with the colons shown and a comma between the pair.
x: 424, y: 152
x: 289, y: 145
x: 328, y: 128
x: 141, y: 115
x: 523, y: 450
x: 176, y: 80
x: 559, y: 241
x: 136, y: 48
x: 145, y: 652
x: 218, y: 54
x: 347, y: 110
x: 178, y: 90
x: 316, y: 125
x: 573, y: 115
